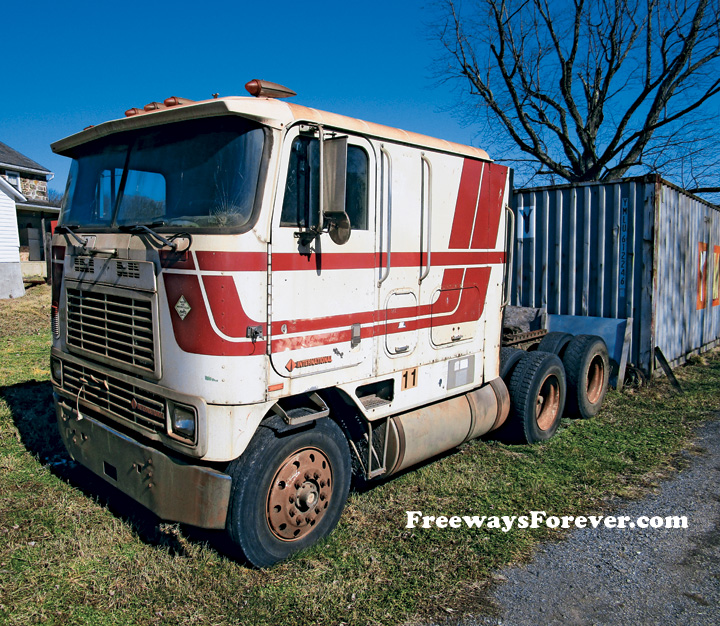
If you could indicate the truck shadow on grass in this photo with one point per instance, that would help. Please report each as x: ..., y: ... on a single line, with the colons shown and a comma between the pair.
x: 31, y: 406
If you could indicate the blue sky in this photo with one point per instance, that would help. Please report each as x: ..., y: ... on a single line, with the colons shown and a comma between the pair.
x: 72, y: 64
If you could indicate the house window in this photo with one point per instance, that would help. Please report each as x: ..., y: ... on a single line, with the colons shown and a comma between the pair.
x: 14, y: 179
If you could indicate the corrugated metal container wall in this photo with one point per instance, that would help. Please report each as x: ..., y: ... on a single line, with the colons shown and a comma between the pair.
x: 594, y: 249
x: 687, y: 258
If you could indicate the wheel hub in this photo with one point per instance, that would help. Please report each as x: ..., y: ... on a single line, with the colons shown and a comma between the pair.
x: 299, y: 494
x: 548, y: 403
x: 595, y: 380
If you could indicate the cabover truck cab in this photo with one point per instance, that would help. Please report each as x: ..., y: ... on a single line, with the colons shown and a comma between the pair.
x: 253, y: 300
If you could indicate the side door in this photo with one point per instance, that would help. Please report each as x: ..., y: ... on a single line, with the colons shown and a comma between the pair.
x: 322, y: 293
x: 400, y: 225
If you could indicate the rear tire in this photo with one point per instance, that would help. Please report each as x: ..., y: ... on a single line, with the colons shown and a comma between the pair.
x: 555, y: 343
x: 587, y: 366
x: 537, y: 397
x: 287, y: 492
x: 509, y: 358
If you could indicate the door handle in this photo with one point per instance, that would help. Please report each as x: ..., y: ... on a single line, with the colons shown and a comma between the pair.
x: 386, y: 272
x: 423, y: 276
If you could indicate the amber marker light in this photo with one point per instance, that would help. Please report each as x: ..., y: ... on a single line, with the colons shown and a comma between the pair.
x: 266, y: 89
x: 175, y: 101
x: 154, y: 106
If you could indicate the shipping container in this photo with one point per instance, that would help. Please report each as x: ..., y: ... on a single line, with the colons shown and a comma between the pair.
x: 639, y: 248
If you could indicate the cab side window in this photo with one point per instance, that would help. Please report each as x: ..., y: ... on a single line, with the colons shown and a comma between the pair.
x: 300, y: 203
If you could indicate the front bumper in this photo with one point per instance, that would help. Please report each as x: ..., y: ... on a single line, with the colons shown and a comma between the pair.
x: 173, y: 490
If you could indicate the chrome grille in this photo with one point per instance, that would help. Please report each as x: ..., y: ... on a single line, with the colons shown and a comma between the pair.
x: 117, y: 327
x: 122, y: 400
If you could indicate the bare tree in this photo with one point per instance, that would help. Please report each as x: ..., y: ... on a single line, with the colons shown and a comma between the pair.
x: 54, y: 197
x: 587, y: 90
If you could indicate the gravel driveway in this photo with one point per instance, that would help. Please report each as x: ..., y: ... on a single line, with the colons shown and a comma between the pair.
x: 631, y: 576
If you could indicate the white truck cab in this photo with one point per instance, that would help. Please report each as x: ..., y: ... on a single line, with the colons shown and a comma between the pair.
x: 253, y: 300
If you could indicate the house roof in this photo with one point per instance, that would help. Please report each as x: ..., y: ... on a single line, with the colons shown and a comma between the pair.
x: 37, y: 205
x: 13, y: 159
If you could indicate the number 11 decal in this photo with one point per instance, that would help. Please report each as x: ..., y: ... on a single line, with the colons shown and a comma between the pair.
x: 409, y: 379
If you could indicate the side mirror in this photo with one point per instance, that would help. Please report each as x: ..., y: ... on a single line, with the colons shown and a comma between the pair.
x: 334, y: 152
x: 338, y: 226
x: 329, y: 155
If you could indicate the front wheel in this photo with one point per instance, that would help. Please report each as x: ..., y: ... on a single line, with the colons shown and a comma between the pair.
x: 288, y: 491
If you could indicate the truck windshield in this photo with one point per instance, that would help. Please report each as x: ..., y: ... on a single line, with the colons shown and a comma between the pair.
x: 195, y: 174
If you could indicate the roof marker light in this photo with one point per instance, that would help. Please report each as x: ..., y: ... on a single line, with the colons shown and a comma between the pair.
x: 266, y: 89
x: 154, y: 106
x: 133, y: 111
x: 175, y: 101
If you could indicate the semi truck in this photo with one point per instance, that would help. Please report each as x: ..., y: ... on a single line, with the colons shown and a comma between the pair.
x: 254, y: 301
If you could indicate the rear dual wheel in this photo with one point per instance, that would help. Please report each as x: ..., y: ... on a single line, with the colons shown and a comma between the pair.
x: 587, y: 365
x: 289, y: 491
x: 555, y: 342
x: 537, y: 397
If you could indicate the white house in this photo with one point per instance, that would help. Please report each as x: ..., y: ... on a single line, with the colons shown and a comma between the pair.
x: 32, y: 212
x: 11, y: 279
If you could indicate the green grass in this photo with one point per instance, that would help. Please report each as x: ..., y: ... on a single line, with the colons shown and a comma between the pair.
x: 75, y: 552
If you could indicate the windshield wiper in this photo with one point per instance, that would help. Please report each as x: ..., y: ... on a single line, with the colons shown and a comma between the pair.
x: 135, y: 228
x: 81, y: 240
x: 84, y: 241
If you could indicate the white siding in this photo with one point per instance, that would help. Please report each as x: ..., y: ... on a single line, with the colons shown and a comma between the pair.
x: 9, y: 239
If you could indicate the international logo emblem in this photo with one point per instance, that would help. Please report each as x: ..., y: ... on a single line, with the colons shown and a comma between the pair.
x: 182, y: 307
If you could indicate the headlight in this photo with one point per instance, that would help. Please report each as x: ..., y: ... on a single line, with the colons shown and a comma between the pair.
x: 56, y: 370
x: 183, y: 422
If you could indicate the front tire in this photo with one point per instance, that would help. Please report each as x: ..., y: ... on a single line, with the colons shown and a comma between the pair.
x: 289, y: 491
